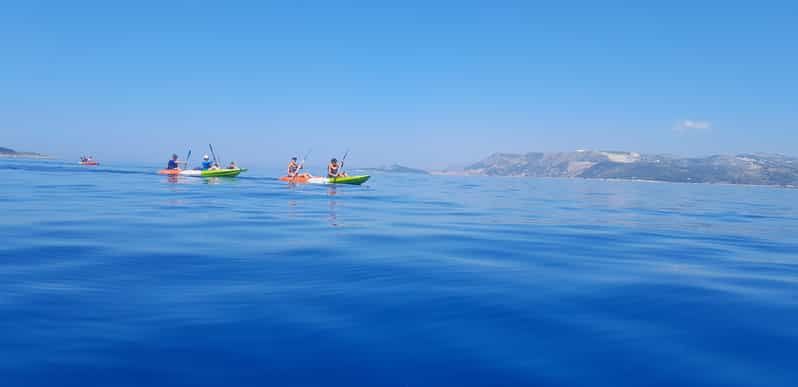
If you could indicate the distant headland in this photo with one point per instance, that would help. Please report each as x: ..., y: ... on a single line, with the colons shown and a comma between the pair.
x: 8, y: 152
x: 751, y: 169
x: 395, y: 168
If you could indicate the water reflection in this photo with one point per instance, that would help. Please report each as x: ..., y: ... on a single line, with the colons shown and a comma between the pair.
x: 221, y: 180
x: 333, y: 217
x: 177, y: 179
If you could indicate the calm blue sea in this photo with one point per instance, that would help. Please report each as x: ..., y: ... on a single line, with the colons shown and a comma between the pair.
x: 117, y: 276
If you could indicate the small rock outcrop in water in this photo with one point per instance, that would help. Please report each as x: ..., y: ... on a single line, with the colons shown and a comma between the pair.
x: 758, y: 169
x: 8, y: 152
x: 396, y: 168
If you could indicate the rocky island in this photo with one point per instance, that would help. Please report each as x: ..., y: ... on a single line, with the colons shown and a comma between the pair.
x: 8, y: 152
x: 753, y: 169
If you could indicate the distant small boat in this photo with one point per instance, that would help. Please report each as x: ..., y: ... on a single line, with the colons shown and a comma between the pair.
x: 90, y: 162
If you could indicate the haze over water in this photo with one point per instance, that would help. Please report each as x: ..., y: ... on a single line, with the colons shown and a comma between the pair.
x: 117, y: 276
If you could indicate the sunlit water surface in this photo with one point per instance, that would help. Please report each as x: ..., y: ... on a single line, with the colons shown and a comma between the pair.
x: 117, y: 276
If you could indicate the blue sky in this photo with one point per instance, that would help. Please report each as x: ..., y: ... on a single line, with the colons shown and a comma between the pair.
x: 414, y: 82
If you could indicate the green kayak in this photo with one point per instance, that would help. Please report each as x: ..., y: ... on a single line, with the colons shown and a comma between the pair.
x: 214, y: 172
x: 354, y: 180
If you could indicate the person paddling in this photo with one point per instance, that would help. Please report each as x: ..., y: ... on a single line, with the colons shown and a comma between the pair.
x: 174, y: 163
x: 206, y: 163
x: 334, y: 169
x: 294, y: 168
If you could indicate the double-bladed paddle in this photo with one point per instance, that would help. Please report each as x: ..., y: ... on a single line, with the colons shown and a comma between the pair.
x: 187, y: 158
x: 344, y: 159
x: 215, y: 160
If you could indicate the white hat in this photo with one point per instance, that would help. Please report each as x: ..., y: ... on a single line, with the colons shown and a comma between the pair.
x: 205, y: 157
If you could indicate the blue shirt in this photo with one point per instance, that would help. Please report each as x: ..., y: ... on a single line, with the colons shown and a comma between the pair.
x: 206, y: 165
x: 172, y: 165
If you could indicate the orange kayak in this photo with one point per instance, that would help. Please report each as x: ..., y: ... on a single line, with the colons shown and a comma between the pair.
x: 297, y: 179
x: 170, y: 171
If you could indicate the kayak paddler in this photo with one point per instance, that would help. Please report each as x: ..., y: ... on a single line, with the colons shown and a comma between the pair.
x: 174, y: 163
x: 206, y: 163
x: 294, y: 168
x: 232, y: 165
x: 334, y: 169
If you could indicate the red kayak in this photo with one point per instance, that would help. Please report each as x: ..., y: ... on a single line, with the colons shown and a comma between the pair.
x: 90, y: 162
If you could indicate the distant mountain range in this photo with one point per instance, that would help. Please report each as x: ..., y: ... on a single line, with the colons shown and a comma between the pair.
x: 396, y: 168
x: 756, y: 169
x: 8, y: 152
